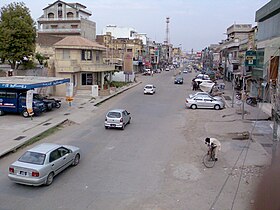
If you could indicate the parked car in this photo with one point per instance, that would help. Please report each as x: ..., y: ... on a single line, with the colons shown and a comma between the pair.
x: 206, y: 95
x: 40, y: 164
x: 204, y: 102
x: 179, y: 80
x: 149, y: 89
x: 203, y: 77
x: 117, y: 118
x: 185, y: 71
x: 147, y: 72
x: 50, y: 102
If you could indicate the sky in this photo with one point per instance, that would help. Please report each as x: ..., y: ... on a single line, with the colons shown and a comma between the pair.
x: 194, y: 24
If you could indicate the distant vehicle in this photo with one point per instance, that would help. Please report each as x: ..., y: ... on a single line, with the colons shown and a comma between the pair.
x: 203, y: 76
x: 185, y: 71
x: 14, y: 101
x: 167, y: 69
x: 179, y: 80
x: 147, y: 72
x: 117, y: 118
x: 204, y: 102
x: 40, y: 164
x: 149, y: 89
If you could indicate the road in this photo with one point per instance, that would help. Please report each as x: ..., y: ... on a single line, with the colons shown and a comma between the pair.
x: 154, y: 164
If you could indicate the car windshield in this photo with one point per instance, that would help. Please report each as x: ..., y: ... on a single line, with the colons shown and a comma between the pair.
x: 114, y: 114
x: 149, y: 87
x: 32, y: 157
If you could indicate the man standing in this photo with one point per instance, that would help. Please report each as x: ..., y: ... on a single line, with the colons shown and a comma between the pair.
x: 215, y: 144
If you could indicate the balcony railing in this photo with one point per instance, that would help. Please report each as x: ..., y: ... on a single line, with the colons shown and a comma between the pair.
x: 58, y: 19
x: 60, y: 30
x: 72, y: 66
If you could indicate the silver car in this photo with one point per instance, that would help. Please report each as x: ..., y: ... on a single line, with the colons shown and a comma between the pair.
x: 202, y: 101
x: 40, y: 164
x: 206, y: 94
x: 117, y: 118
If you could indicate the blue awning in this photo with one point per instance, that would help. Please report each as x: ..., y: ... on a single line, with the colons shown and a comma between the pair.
x: 30, y: 82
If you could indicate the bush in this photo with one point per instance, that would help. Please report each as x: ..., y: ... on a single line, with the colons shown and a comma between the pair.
x: 118, y: 84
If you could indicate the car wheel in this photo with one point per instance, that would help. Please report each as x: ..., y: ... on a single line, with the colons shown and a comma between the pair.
x: 50, y: 179
x: 193, y: 106
x: 129, y: 121
x: 24, y: 113
x: 1, y: 112
x: 106, y: 127
x: 76, y: 160
x: 217, y: 107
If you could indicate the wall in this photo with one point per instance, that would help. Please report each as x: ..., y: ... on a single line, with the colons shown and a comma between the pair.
x: 120, y: 77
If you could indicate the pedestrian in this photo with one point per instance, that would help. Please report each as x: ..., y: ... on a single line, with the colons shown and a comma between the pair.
x: 215, y: 144
x: 194, y: 85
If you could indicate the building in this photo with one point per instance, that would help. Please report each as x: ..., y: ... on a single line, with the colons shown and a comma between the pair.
x: 268, y: 45
x: 230, y: 49
x: 65, y: 19
x: 81, y: 60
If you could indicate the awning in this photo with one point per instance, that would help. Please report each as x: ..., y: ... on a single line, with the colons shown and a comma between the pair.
x: 30, y: 82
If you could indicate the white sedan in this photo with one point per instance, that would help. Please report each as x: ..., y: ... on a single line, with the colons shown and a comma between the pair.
x: 149, y: 89
x: 40, y: 164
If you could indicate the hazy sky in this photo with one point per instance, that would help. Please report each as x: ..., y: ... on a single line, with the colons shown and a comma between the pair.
x: 194, y: 24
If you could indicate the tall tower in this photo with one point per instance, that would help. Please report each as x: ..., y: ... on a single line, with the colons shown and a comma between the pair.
x: 167, y: 31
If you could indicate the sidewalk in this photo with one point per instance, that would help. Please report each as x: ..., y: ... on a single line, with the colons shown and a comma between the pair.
x: 17, y: 131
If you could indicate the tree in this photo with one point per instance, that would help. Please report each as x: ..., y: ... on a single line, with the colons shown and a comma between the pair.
x: 17, y: 34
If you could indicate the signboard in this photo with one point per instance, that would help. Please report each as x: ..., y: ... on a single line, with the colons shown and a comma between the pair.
x: 250, y: 58
x: 69, y: 91
x: 29, y: 101
x: 128, y: 63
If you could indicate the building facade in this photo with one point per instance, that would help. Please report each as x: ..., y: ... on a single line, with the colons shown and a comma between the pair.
x: 81, y: 60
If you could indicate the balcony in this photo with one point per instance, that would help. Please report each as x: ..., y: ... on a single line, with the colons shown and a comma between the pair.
x: 72, y: 66
x: 60, y: 20
x: 60, y: 30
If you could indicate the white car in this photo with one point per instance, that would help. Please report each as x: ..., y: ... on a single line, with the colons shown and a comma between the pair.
x: 117, y: 118
x: 149, y: 89
x: 202, y: 94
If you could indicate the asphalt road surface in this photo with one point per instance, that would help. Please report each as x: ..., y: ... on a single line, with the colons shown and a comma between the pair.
x: 154, y: 164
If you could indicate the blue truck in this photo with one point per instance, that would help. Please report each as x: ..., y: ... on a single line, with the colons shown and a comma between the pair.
x: 14, y: 101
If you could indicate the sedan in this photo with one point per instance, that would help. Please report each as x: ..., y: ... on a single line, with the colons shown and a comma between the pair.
x: 40, y: 164
x: 149, y: 89
x: 204, y: 102
x: 178, y: 80
x: 117, y: 118
x: 206, y: 95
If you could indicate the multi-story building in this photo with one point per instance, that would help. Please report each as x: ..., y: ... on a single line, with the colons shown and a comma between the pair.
x: 268, y: 53
x: 81, y: 60
x: 63, y: 19
x: 230, y: 49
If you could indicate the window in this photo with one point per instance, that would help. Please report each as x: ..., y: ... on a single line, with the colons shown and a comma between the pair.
x: 2, y: 94
x: 54, y: 155
x: 59, y: 11
x: 87, y: 79
x: 70, y: 15
x: 74, y: 26
x: 33, y: 157
x: 86, y: 55
x: 50, y: 15
x: 11, y: 95
x: 129, y: 50
x: 54, y: 26
x: 97, y: 56
x: 66, y: 54
x: 63, y: 151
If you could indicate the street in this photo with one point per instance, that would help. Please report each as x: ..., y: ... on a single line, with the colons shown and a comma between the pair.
x: 155, y: 163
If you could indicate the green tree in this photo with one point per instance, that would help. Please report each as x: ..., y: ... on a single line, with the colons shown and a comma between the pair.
x: 17, y: 34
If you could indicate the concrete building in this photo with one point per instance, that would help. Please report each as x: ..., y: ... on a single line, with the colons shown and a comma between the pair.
x: 81, y: 60
x: 64, y: 19
x: 268, y: 45
x: 230, y: 49
x: 120, y: 32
